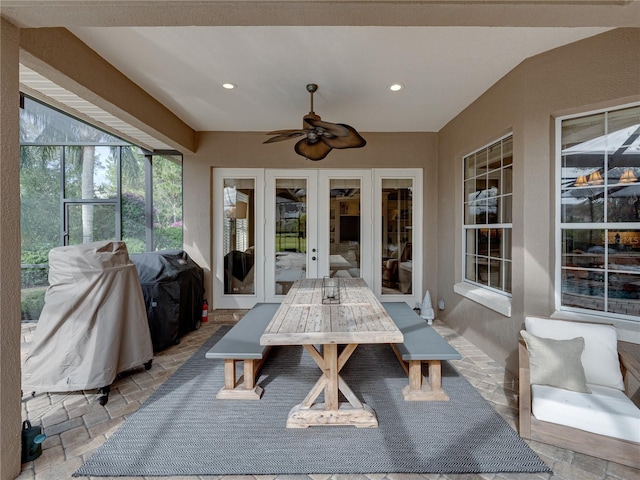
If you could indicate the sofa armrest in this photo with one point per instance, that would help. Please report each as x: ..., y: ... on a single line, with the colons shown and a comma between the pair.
x: 524, y: 390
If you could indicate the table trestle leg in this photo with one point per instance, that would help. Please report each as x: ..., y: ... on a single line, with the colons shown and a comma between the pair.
x: 332, y: 411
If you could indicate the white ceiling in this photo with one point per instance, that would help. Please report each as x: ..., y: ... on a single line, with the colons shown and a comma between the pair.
x: 443, y: 69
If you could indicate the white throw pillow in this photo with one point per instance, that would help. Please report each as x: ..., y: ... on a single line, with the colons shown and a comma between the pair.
x: 556, y: 363
x: 600, y: 355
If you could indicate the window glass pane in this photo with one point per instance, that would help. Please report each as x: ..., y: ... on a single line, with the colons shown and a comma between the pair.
x: 623, y: 203
x: 471, y: 241
x: 624, y: 119
x: 397, y: 208
x: 495, y: 243
x: 624, y: 250
x: 494, y: 158
x: 470, y: 166
x: 495, y: 274
x: 494, y: 205
x: 583, y: 289
x: 470, y: 268
x: 583, y: 205
x: 91, y: 223
x: 39, y: 222
x: 483, y: 241
x: 507, y: 180
x: 167, y: 202
x: 506, y: 243
x: 583, y: 248
x: 507, y: 276
x: 239, y: 236
x: 624, y: 293
x: 133, y: 200
x: 481, y: 162
x: 507, y: 151
x: 507, y: 209
x: 91, y: 172
x: 483, y: 270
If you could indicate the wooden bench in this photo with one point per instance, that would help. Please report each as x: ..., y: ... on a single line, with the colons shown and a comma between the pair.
x: 242, y: 343
x: 421, y: 344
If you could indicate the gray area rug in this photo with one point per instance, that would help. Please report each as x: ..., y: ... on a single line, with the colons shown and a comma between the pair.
x: 183, y: 430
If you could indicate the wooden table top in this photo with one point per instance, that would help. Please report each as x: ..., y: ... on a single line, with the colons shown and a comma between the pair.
x: 302, y: 318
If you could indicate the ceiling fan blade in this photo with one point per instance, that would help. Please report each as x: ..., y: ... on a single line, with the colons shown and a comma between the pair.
x: 312, y: 151
x: 353, y: 140
x: 285, y: 135
x: 287, y: 131
x: 335, y: 129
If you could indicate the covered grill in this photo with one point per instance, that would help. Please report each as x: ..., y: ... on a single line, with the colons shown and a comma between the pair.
x: 173, y: 289
x: 93, y: 324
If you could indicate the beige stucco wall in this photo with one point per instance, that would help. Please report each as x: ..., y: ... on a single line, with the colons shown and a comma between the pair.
x: 594, y: 73
x: 246, y: 150
x: 10, y: 407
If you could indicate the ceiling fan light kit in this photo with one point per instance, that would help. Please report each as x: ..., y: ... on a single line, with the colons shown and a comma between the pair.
x: 319, y: 137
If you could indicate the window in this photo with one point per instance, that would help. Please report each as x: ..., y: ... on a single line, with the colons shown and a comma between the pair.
x: 488, y: 175
x: 599, y: 211
x: 79, y: 184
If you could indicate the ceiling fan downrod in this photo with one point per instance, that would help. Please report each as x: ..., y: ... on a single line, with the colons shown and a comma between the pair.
x: 312, y: 88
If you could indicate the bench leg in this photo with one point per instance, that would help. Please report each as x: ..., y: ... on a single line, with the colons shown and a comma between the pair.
x: 245, y: 387
x: 417, y: 390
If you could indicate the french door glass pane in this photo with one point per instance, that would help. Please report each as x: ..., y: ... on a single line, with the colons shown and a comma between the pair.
x: 344, y: 228
x: 397, y: 228
x: 291, y: 228
x: 238, y: 236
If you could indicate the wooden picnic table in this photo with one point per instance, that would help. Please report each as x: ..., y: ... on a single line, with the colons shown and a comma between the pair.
x: 302, y: 319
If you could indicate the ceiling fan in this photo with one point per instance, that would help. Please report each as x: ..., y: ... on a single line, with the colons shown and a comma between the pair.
x: 319, y: 137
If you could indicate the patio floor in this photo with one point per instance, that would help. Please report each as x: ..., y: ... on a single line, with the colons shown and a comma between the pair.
x: 76, y: 424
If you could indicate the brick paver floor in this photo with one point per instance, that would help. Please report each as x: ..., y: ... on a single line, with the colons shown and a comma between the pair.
x: 76, y: 424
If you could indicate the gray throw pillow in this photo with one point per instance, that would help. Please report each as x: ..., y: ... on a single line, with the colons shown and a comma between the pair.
x: 556, y: 363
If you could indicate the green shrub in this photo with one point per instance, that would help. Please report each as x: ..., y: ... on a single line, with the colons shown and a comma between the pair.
x: 167, y: 238
x: 32, y: 302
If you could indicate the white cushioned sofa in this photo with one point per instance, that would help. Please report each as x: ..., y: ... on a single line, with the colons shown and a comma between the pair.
x: 572, y: 390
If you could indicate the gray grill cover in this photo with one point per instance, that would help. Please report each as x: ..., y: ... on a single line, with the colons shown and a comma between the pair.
x: 93, y: 324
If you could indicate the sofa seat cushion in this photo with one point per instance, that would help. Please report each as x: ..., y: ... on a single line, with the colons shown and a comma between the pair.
x: 605, y: 411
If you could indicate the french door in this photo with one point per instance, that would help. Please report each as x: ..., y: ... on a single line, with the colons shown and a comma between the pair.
x: 318, y: 223
x: 273, y: 227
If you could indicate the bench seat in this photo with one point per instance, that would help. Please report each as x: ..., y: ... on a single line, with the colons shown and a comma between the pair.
x: 242, y: 343
x: 422, y: 344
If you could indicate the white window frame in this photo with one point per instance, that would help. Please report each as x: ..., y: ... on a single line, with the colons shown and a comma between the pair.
x: 562, y: 311
x: 495, y: 299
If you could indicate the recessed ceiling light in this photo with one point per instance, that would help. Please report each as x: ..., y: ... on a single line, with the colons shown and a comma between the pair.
x: 228, y: 86
x: 396, y: 87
